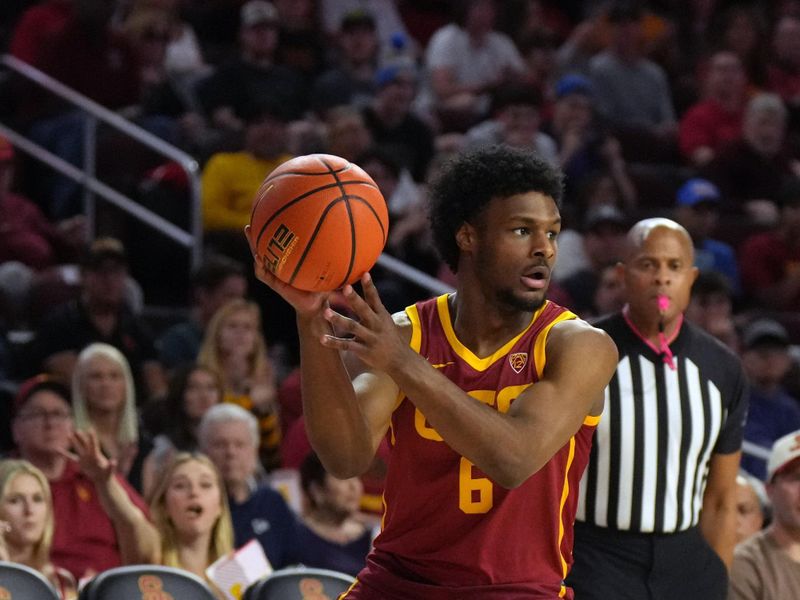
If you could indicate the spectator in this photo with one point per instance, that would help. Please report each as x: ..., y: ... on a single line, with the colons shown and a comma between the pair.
x: 302, y: 44
x: 697, y: 209
x: 466, y: 61
x: 711, y: 308
x: 190, y: 511
x: 741, y: 28
x: 351, y: 81
x: 229, y: 435
x: 388, y: 22
x: 750, y: 507
x: 192, y: 391
x: 348, y: 135
x: 392, y: 123
x: 29, y: 246
x: 36, y: 28
x: 752, y: 167
x: 26, y: 508
x: 89, y: 56
x: 600, y: 241
x: 630, y: 90
x: 583, y: 148
x: 26, y: 235
x: 773, y: 412
x: 184, y: 57
x: 331, y: 535
x: 229, y: 93
x: 602, y: 245
x: 783, y: 70
x: 215, y: 282
x: 716, y: 119
x: 235, y: 348
x: 100, y: 314
x: 231, y: 179
x: 770, y: 260
x: 766, y: 565
x: 104, y: 400
x: 100, y: 521
x: 660, y: 523
x: 515, y: 121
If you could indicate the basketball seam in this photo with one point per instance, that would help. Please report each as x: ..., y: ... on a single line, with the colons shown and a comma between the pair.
x: 353, y: 249
x: 303, y: 196
x: 311, y: 238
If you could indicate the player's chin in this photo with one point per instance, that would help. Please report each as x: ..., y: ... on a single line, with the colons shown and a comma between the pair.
x: 526, y: 301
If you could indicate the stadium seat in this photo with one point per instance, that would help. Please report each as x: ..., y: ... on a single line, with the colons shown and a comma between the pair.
x: 25, y: 583
x: 299, y: 583
x: 146, y: 581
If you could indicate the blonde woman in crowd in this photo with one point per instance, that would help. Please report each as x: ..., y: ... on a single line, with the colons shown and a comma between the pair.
x: 235, y: 348
x: 104, y: 399
x: 26, y: 509
x: 189, y: 507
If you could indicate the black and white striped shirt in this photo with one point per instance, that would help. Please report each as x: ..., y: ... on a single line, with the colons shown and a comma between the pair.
x: 649, y: 462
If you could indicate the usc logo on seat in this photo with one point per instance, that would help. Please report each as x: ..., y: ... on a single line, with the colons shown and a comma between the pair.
x: 152, y: 588
x: 312, y: 589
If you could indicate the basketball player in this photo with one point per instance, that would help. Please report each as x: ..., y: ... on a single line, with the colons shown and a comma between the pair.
x: 489, y: 396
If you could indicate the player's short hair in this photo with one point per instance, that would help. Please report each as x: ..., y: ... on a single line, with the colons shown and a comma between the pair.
x: 470, y: 180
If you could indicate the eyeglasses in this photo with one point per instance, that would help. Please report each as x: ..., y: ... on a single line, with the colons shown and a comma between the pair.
x: 58, y: 416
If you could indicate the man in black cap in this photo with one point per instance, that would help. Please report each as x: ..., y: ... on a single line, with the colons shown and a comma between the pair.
x: 99, y: 314
x: 352, y: 78
x: 602, y: 245
x: 773, y: 412
x: 253, y: 76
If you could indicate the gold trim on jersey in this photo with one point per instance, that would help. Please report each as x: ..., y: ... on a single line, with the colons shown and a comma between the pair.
x: 592, y: 420
x: 564, y: 496
x: 539, y: 356
x: 416, y: 328
x: 477, y: 363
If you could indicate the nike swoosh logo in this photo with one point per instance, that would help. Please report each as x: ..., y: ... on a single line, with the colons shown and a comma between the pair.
x: 440, y: 365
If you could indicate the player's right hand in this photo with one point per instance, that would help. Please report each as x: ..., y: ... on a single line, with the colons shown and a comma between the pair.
x: 305, y: 303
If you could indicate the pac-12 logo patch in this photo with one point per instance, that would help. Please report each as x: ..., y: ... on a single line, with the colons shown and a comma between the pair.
x: 518, y: 360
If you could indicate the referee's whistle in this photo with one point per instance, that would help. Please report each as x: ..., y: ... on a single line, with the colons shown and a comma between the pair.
x: 663, y: 304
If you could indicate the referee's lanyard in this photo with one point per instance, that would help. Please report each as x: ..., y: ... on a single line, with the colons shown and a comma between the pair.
x: 663, y: 348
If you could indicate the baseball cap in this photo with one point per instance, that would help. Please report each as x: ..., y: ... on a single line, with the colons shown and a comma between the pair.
x: 764, y: 332
x: 784, y: 451
x: 697, y: 190
x: 256, y: 12
x: 6, y: 150
x: 105, y: 251
x: 356, y: 18
x: 38, y: 383
x: 573, y: 84
x: 604, y: 214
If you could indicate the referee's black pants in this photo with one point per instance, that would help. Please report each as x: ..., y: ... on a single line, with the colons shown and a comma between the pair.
x: 620, y: 565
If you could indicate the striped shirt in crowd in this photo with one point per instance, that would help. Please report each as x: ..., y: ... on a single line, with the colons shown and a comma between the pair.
x: 660, y: 425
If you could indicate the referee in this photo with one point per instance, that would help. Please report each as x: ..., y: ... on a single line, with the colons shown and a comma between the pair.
x: 656, y: 510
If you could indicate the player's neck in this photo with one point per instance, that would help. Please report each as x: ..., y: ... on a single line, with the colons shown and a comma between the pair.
x: 482, y: 326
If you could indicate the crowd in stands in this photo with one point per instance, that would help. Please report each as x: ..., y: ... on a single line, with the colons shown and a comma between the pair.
x: 159, y: 437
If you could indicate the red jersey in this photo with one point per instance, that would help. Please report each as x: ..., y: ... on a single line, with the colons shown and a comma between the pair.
x: 450, y: 532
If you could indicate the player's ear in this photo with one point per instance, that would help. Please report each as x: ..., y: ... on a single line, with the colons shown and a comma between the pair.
x: 465, y: 237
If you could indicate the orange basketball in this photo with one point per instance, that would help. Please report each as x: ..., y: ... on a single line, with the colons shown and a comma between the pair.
x: 319, y: 222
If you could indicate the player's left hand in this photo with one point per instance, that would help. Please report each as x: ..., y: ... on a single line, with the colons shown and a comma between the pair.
x: 371, y: 334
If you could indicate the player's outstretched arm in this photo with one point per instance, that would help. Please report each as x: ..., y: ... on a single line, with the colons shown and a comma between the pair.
x: 344, y: 427
x: 508, y: 447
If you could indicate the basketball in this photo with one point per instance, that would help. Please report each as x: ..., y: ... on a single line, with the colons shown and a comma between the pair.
x: 319, y: 222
